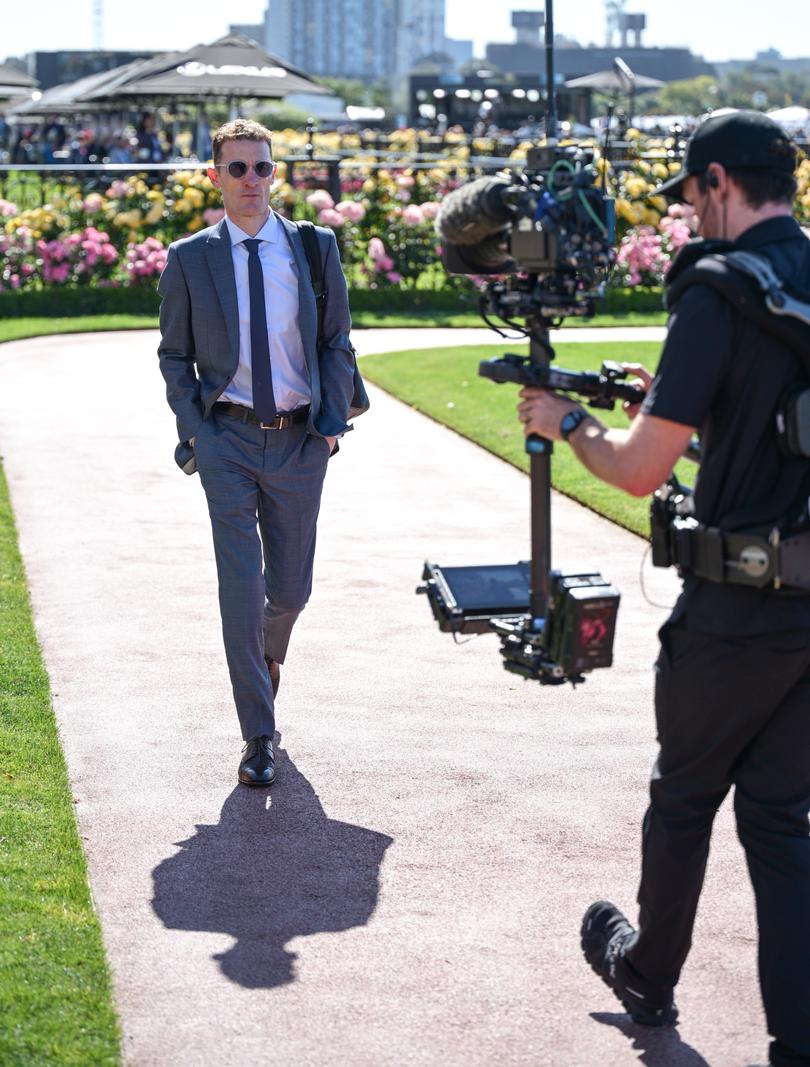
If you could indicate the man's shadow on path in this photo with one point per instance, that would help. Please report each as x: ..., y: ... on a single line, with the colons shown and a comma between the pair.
x: 275, y: 867
x: 659, y: 1046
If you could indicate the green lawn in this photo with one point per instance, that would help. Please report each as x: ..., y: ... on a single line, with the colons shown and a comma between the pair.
x: 17, y: 329
x: 55, y: 994
x: 431, y: 317
x: 445, y: 385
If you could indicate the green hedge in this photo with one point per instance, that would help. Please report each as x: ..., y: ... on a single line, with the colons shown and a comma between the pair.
x: 639, y: 299
x: 66, y: 302
x: 143, y: 300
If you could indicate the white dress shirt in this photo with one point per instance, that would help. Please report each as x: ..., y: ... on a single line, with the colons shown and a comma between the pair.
x: 290, y: 378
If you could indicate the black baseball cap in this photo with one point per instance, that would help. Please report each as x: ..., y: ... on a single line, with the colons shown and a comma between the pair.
x: 738, y: 140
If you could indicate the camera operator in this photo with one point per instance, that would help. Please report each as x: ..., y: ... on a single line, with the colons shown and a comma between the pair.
x: 732, y: 692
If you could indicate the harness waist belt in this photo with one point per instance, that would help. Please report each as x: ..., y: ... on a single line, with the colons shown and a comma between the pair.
x: 280, y: 422
x: 752, y: 558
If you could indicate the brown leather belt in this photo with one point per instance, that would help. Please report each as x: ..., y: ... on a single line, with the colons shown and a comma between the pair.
x: 280, y: 422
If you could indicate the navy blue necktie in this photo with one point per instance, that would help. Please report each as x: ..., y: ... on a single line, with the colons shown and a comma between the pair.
x: 264, y: 405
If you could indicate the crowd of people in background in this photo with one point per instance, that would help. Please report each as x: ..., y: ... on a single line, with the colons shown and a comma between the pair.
x: 56, y: 141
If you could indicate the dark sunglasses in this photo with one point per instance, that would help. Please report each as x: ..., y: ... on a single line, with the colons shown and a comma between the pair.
x: 237, y: 168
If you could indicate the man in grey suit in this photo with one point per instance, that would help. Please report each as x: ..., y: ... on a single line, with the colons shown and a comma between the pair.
x: 260, y: 398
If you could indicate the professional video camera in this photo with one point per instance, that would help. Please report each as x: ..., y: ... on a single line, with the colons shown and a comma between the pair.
x: 551, y: 229
x: 550, y: 222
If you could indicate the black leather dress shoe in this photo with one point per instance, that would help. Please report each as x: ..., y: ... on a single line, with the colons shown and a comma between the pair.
x: 258, y: 763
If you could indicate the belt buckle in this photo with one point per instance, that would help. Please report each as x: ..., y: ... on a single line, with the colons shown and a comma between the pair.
x: 280, y: 422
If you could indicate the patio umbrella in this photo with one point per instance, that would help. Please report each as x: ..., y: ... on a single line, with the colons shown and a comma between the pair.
x: 610, y: 81
x: 794, y: 117
x: 70, y: 97
x: 14, y: 84
x: 232, y: 67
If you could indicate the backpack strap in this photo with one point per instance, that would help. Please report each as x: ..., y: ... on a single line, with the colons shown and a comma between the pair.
x: 313, y: 252
x: 750, y: 284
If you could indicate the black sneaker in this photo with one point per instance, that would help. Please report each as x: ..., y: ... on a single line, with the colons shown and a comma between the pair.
x: 605, y: 937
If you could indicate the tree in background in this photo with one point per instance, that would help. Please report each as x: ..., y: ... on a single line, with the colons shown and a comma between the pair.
x: 357, y: 93
x: 755, y: 85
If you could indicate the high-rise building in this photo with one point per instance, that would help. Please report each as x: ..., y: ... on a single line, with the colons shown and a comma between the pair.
x: 366, y: 39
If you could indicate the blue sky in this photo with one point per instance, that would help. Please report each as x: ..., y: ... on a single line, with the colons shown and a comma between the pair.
x: 716, y: 29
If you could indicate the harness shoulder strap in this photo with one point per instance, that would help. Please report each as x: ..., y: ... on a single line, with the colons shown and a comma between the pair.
x: 313, y: 253
x: 749, y: 283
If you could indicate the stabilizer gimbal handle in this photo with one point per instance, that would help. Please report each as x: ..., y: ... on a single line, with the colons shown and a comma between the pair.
x: 598, y: 389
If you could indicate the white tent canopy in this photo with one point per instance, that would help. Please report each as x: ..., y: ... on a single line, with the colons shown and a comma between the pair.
x: 794, y: 117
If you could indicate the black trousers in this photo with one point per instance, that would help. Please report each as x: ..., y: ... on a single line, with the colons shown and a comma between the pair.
x: 732, y: 712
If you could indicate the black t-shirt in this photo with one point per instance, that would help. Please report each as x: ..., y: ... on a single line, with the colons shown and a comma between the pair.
x: 725, y: 376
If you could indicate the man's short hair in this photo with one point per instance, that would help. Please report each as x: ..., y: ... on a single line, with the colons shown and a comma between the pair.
x: 759, y: 187
x: 240, y: 130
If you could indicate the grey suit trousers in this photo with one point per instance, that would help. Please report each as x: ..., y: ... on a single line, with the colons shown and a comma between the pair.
x: 264, y: 491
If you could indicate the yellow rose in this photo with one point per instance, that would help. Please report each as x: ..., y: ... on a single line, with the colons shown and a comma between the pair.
x: 635, y: 186
x: 632, y: 213
x: 155, y: 213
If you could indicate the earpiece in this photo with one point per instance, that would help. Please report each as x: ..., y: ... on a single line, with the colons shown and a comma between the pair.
x: 714, y: 181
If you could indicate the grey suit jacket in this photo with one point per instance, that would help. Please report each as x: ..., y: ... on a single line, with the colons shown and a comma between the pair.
x: 199, y: 325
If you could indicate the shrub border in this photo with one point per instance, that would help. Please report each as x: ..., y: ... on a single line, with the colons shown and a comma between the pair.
x: 143, y: 300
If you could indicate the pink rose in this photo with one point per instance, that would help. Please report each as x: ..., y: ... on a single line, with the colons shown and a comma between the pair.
x: 320, y: 200
x: 330, y: 217
x: 376, y: 248
x: 412, y: 215
x: 351, y: 210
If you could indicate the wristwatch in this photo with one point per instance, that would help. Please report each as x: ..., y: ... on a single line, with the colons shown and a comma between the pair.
x: 570, y: 421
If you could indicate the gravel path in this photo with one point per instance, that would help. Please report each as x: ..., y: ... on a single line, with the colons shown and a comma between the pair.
x: 410, y: 890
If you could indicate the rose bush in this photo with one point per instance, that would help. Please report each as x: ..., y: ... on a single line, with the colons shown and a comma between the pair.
x: 383, y: 220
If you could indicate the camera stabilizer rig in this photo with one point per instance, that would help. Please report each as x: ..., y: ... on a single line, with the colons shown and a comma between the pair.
x: 553, y: 627
x: 548, y: 233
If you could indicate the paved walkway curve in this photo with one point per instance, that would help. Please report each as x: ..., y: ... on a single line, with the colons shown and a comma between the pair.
x: 410, y: 891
